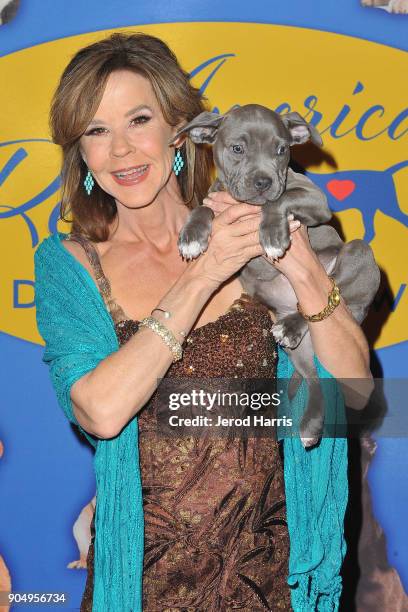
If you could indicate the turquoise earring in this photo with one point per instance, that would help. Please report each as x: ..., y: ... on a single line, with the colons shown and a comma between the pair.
x: 89, y: 183
x: 178, y: 163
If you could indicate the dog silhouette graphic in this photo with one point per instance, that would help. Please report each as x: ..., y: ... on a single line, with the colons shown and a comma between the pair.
x: 365, y: 190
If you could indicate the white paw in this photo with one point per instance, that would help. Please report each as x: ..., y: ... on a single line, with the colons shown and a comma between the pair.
x: 191, y: 250
x: 274, y: 253
x: 278, y: 333
x: 308, y: 442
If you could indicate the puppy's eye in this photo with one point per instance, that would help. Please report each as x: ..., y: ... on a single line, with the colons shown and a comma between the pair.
x: 281, y: 150
x: 239, y: 149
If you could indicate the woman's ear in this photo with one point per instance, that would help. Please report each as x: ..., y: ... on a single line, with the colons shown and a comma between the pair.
x: 178, y: 139
x: 82, y: 154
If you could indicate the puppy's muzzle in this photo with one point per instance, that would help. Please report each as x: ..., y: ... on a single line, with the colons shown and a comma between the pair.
x: 262, y: 183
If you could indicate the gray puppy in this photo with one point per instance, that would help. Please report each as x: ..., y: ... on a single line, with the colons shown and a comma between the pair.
x: 251, y: 148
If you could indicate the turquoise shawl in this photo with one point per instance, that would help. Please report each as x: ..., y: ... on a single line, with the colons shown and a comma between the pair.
x: 78, y: 333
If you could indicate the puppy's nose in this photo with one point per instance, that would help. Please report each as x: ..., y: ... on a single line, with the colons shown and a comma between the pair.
x: 262, y: 183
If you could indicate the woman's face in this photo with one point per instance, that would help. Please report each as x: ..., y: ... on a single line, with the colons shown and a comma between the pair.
x: 126, y: 144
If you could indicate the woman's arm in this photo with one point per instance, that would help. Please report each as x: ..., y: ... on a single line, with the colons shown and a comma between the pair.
x: 338, y: 341
x: 107, y: 397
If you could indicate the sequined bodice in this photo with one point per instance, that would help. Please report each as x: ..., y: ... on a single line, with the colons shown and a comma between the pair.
x: 222, y: 338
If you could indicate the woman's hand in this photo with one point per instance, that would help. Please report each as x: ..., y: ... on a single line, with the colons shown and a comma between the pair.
x: 234, y: 238
x: 299, y: 261
x: 301, y: 254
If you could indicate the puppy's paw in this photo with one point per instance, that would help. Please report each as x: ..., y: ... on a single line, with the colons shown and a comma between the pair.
x: 309, y: 442
x: 311, y: 430
x: 193, y: 240
x: 190, y: 250
x: 273, y: 252
x: 288, y: 332
x: 309, y: 435
x: 280, y: 335
x: 274, y: 240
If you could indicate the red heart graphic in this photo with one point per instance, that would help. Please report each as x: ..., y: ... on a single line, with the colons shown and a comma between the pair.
x: 341, y: 189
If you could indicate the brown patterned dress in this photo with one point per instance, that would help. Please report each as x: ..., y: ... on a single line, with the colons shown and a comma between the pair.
x: 216, y: 538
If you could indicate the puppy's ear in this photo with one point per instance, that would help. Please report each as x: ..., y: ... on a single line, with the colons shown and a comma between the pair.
x: 300, y: 130
x: 202, y: 128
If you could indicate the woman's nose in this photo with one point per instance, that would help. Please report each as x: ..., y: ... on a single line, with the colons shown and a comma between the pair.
x: 121, y: 146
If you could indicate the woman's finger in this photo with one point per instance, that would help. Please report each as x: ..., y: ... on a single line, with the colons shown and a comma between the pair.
x: 216, y: 207
x: 294, y: 225
x: 250, y: 239
x: 247, y: 226
x: 222, y: 196
x: 235, y: 212
x: 253, y: 250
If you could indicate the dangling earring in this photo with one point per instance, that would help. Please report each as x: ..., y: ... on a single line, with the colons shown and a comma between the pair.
x: 178, y: 163
x: 89, y: 182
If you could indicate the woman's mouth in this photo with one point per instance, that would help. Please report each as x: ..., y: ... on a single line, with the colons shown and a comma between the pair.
x: 131, y: 176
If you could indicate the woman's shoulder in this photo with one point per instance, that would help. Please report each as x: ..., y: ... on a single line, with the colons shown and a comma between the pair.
x: 50, y: 244
x: 58, y: 246
x: 63, y: 263
x: 47, y: 253
x: 84, y: 251
x: 56, y: 253
x: 75, y: 248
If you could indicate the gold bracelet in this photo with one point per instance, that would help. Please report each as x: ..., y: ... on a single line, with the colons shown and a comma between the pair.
x: 332, y: 303
x: 165, y: 334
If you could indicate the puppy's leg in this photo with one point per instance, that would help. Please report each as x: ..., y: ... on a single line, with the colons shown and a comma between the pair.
x: 274, y: 234
x: 194, y: 236
x: 305, y: 200
x: 358, y: 277
x: 312, y: 422
x: 290, y: 330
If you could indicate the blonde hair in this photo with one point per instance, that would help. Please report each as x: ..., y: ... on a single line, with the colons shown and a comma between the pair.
x: 76, y: 100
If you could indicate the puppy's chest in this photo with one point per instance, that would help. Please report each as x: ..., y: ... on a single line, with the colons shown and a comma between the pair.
x: 261, y: 280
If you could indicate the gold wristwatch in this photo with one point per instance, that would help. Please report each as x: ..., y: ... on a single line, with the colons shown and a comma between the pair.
x: 332, y: 303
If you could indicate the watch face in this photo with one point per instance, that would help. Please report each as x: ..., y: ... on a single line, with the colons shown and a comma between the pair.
x: 335, y: 298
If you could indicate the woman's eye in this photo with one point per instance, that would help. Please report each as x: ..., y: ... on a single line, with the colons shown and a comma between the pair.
x: 281, y: 150
x: 95, y: 131
x: 141, y: 119
x: 239, y: 149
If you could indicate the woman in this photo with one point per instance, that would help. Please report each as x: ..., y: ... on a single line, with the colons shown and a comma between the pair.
x: 215, y: 531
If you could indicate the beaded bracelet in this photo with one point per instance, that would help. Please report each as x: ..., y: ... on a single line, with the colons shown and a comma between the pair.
x: 165, y: 334
x: 167, y: 315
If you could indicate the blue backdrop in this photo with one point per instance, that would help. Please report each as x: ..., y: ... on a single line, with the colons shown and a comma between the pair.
x: 42, y: 488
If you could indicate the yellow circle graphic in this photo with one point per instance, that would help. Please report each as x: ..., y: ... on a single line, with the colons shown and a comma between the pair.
x: 349, y: 88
